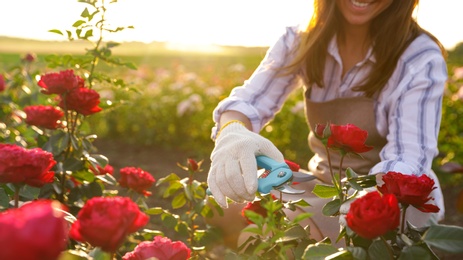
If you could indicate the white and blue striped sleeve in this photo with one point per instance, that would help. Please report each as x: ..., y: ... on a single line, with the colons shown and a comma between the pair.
x: 414, y: 112
x: 263, y: 94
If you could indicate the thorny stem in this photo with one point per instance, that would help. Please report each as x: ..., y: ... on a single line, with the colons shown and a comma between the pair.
x: 331, y: 168
x: 389, y: 249
x: 16, y: 195
x: 404, y: 211
x: 341, y: 195
x: 97, y: 45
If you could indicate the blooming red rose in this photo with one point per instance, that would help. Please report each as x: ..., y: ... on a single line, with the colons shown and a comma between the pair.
x: 2, y: 83
x: 160, y: 248
x: 29, y: 166
x: 82, y: 100
x: 102, y: 170
x: 106, y: 221
x: 60, y: 83
x: 373, y: 215
x: 43, y: 116
x: 37, y: 230
x: 136, y: 179
x: 348, y: 138
x: 410, y: 189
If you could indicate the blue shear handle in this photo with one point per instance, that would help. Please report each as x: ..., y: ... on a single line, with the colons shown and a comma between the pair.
x: 279, y: 173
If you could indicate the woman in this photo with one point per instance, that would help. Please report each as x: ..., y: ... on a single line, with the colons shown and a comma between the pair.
x: 363, y: 62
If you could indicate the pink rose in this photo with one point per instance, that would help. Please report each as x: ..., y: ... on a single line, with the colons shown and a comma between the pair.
x: 160, y: 248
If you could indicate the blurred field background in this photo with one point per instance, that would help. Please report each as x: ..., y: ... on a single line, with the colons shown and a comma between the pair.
x: 165, y: 113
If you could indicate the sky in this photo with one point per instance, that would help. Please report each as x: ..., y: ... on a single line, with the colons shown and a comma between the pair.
x: 201, y: 22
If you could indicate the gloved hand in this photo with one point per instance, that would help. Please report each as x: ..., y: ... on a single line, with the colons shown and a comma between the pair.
x: 233, y: 171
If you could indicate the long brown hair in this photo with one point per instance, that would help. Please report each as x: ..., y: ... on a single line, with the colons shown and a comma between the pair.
x: 391, y: 31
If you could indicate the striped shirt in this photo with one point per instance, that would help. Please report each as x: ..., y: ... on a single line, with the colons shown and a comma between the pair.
x: 408, y: 110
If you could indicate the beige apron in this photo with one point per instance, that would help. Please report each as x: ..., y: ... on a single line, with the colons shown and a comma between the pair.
x: 358, y: 111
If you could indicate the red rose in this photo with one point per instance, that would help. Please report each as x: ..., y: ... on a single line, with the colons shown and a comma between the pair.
x: 43, y: 116
x: 256, y: 207
x: 192, y: 165
x: 82, y: 100
x: 106, y: 221
x: 410, y: 190
x: 29, y: 57
x: 160, y: 248
x: 37, y: 230
x: 348, y: 138
x: 102, y: 170
x: 321, y: 131
x: 373, y: 215
x: 2, y: 83
x: 136, y: 179
x: 60, y: 83
x: 29, y: 166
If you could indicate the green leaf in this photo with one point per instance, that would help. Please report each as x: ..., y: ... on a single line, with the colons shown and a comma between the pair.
x: 98, y: 254
x: 319, y: 251
x: 302, y: 216
x: 253, y: 229
x: 445, y: 237
x: 73, y: 255
x: 378, y: 250
x: 179, y: 201
x: 358, y: 253
x: 293, y: 234
x: 78, y: 23
x: 325, y: 191
x: 4, y: 199
x: 154, y: 211
x: 331, y: 208
x: 55, y: 31
x: 29, y: 192
x: 414, y: 252
x: 341, y: 255
x: 350, y: 173
x: 107, y: 178
x: 169, y: 220
x: 169, y: 178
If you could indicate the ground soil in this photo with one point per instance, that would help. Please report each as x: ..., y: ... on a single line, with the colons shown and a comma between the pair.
x: 161, y: 162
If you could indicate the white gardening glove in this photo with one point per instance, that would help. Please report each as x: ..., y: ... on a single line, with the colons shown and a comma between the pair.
x: 233, y: 171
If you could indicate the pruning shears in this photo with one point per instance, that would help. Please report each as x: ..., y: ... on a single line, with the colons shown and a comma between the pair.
x: 278, y: 176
